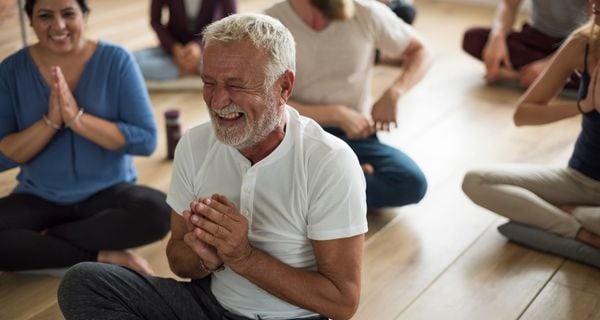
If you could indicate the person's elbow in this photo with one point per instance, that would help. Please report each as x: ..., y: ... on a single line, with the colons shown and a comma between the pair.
x: 345, y: 312
x: 148, y: 148
x: 144, y: 144
x: 426, y: 53
x: 518, y: 117
x: 352, y: 307
x: 419, y: 52
x: 348, y: 304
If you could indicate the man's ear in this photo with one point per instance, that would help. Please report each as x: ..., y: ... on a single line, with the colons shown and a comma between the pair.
x: 286, y: 85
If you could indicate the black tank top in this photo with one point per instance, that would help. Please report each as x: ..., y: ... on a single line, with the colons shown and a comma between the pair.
x: 586, y: 156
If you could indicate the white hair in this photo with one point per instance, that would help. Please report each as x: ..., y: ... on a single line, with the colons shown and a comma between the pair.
x: 264, y: 32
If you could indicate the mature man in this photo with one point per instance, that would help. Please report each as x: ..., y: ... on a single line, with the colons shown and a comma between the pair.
x: 522, y: 55
x: 269, y: 210
x: 336, y: 46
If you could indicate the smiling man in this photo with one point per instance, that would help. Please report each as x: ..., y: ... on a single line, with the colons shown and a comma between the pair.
x: 269, y: 210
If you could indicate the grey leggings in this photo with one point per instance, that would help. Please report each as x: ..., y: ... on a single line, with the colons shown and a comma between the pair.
x: 103, y: 291
x: 532, y: 196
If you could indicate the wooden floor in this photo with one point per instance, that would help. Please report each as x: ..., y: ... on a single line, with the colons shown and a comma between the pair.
x: 440, y: 259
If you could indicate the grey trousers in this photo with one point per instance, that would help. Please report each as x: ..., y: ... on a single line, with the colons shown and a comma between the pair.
x: 532, y: 196
x: 92, y: 290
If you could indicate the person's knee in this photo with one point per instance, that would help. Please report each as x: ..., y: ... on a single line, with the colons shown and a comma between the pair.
x: 474, y: 40
x: 398, y: 190
x: 157, y: 213
x: 419, y: 186
x: 472, y: 182
x: 74, y: 285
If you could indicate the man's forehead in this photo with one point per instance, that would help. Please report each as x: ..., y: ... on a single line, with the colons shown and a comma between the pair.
x: 238, y: 55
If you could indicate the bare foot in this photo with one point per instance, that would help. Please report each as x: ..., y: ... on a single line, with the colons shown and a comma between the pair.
x: 503, y: 74
x: 367, y: 168
x: 126, y: 258
x: 588, y: 238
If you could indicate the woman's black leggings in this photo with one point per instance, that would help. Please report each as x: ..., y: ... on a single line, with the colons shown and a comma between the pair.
x: 36, y: 233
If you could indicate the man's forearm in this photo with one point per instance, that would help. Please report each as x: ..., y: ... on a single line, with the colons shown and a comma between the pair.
x: 416, y: 62
x: 325, y: 115
x: 504, y: 18
x: 311, y: 290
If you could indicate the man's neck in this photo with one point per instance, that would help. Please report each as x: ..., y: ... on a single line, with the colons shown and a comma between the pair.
x: 309, y: 14
x: 264, y: 148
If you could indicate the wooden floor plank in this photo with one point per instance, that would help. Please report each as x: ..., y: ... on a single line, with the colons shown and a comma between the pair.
x: 23, y: 296
x: 404, y: 258
x: 494, y: 279
x: 579, y: 276
x: 557, y: 302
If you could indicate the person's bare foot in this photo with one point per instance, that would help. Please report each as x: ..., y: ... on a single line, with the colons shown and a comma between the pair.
x: 503, y: 75
x: 367, y: 168
x: 126, y: 258
x: 588, y: 238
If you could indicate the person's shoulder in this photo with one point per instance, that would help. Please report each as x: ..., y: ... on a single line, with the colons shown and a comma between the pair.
x: 316, y: 140
x: 111, y: 56
x: 371, y: 8
x: 578, y: 39
x: 377, y: 16
x: 110, y: 48
x: 15, y: 59
x: 574, y: 46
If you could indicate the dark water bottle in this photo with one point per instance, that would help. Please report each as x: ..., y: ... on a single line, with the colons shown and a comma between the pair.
x: 173, y: 131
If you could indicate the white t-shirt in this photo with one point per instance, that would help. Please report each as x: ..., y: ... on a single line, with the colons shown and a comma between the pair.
x: 335, y: 65
x: 310, y: 187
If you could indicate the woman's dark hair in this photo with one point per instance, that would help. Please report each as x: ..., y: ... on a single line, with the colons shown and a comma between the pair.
x: 30, y: 3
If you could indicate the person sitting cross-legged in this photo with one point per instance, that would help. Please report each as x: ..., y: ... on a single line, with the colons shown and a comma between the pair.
x: 269, y: 210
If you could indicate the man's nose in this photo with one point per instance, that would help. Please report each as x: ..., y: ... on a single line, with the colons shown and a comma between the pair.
x: 220, y: 97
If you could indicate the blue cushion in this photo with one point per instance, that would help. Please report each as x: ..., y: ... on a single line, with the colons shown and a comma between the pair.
x: 551, y: 243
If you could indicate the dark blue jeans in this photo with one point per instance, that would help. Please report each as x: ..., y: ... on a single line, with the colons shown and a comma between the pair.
x: 397, y: 179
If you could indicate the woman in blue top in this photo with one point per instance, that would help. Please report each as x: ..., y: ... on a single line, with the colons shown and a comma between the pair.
x: 72, y: 112
x: 563, y: 201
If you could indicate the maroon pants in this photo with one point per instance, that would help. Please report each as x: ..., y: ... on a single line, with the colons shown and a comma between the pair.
x: 524, y: 47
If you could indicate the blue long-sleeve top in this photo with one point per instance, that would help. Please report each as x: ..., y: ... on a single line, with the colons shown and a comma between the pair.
x: 71, y: 168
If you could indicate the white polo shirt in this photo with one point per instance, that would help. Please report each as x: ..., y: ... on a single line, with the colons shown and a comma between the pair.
x: 310, y: 187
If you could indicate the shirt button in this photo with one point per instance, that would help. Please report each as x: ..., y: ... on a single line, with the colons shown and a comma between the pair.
x: 245, y: 212
x: 247, y: 189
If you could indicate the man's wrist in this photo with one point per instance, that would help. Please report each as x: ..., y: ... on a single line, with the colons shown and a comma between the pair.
x: 395, y: 93
x: 242, y: 265
x: 204, y: 268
